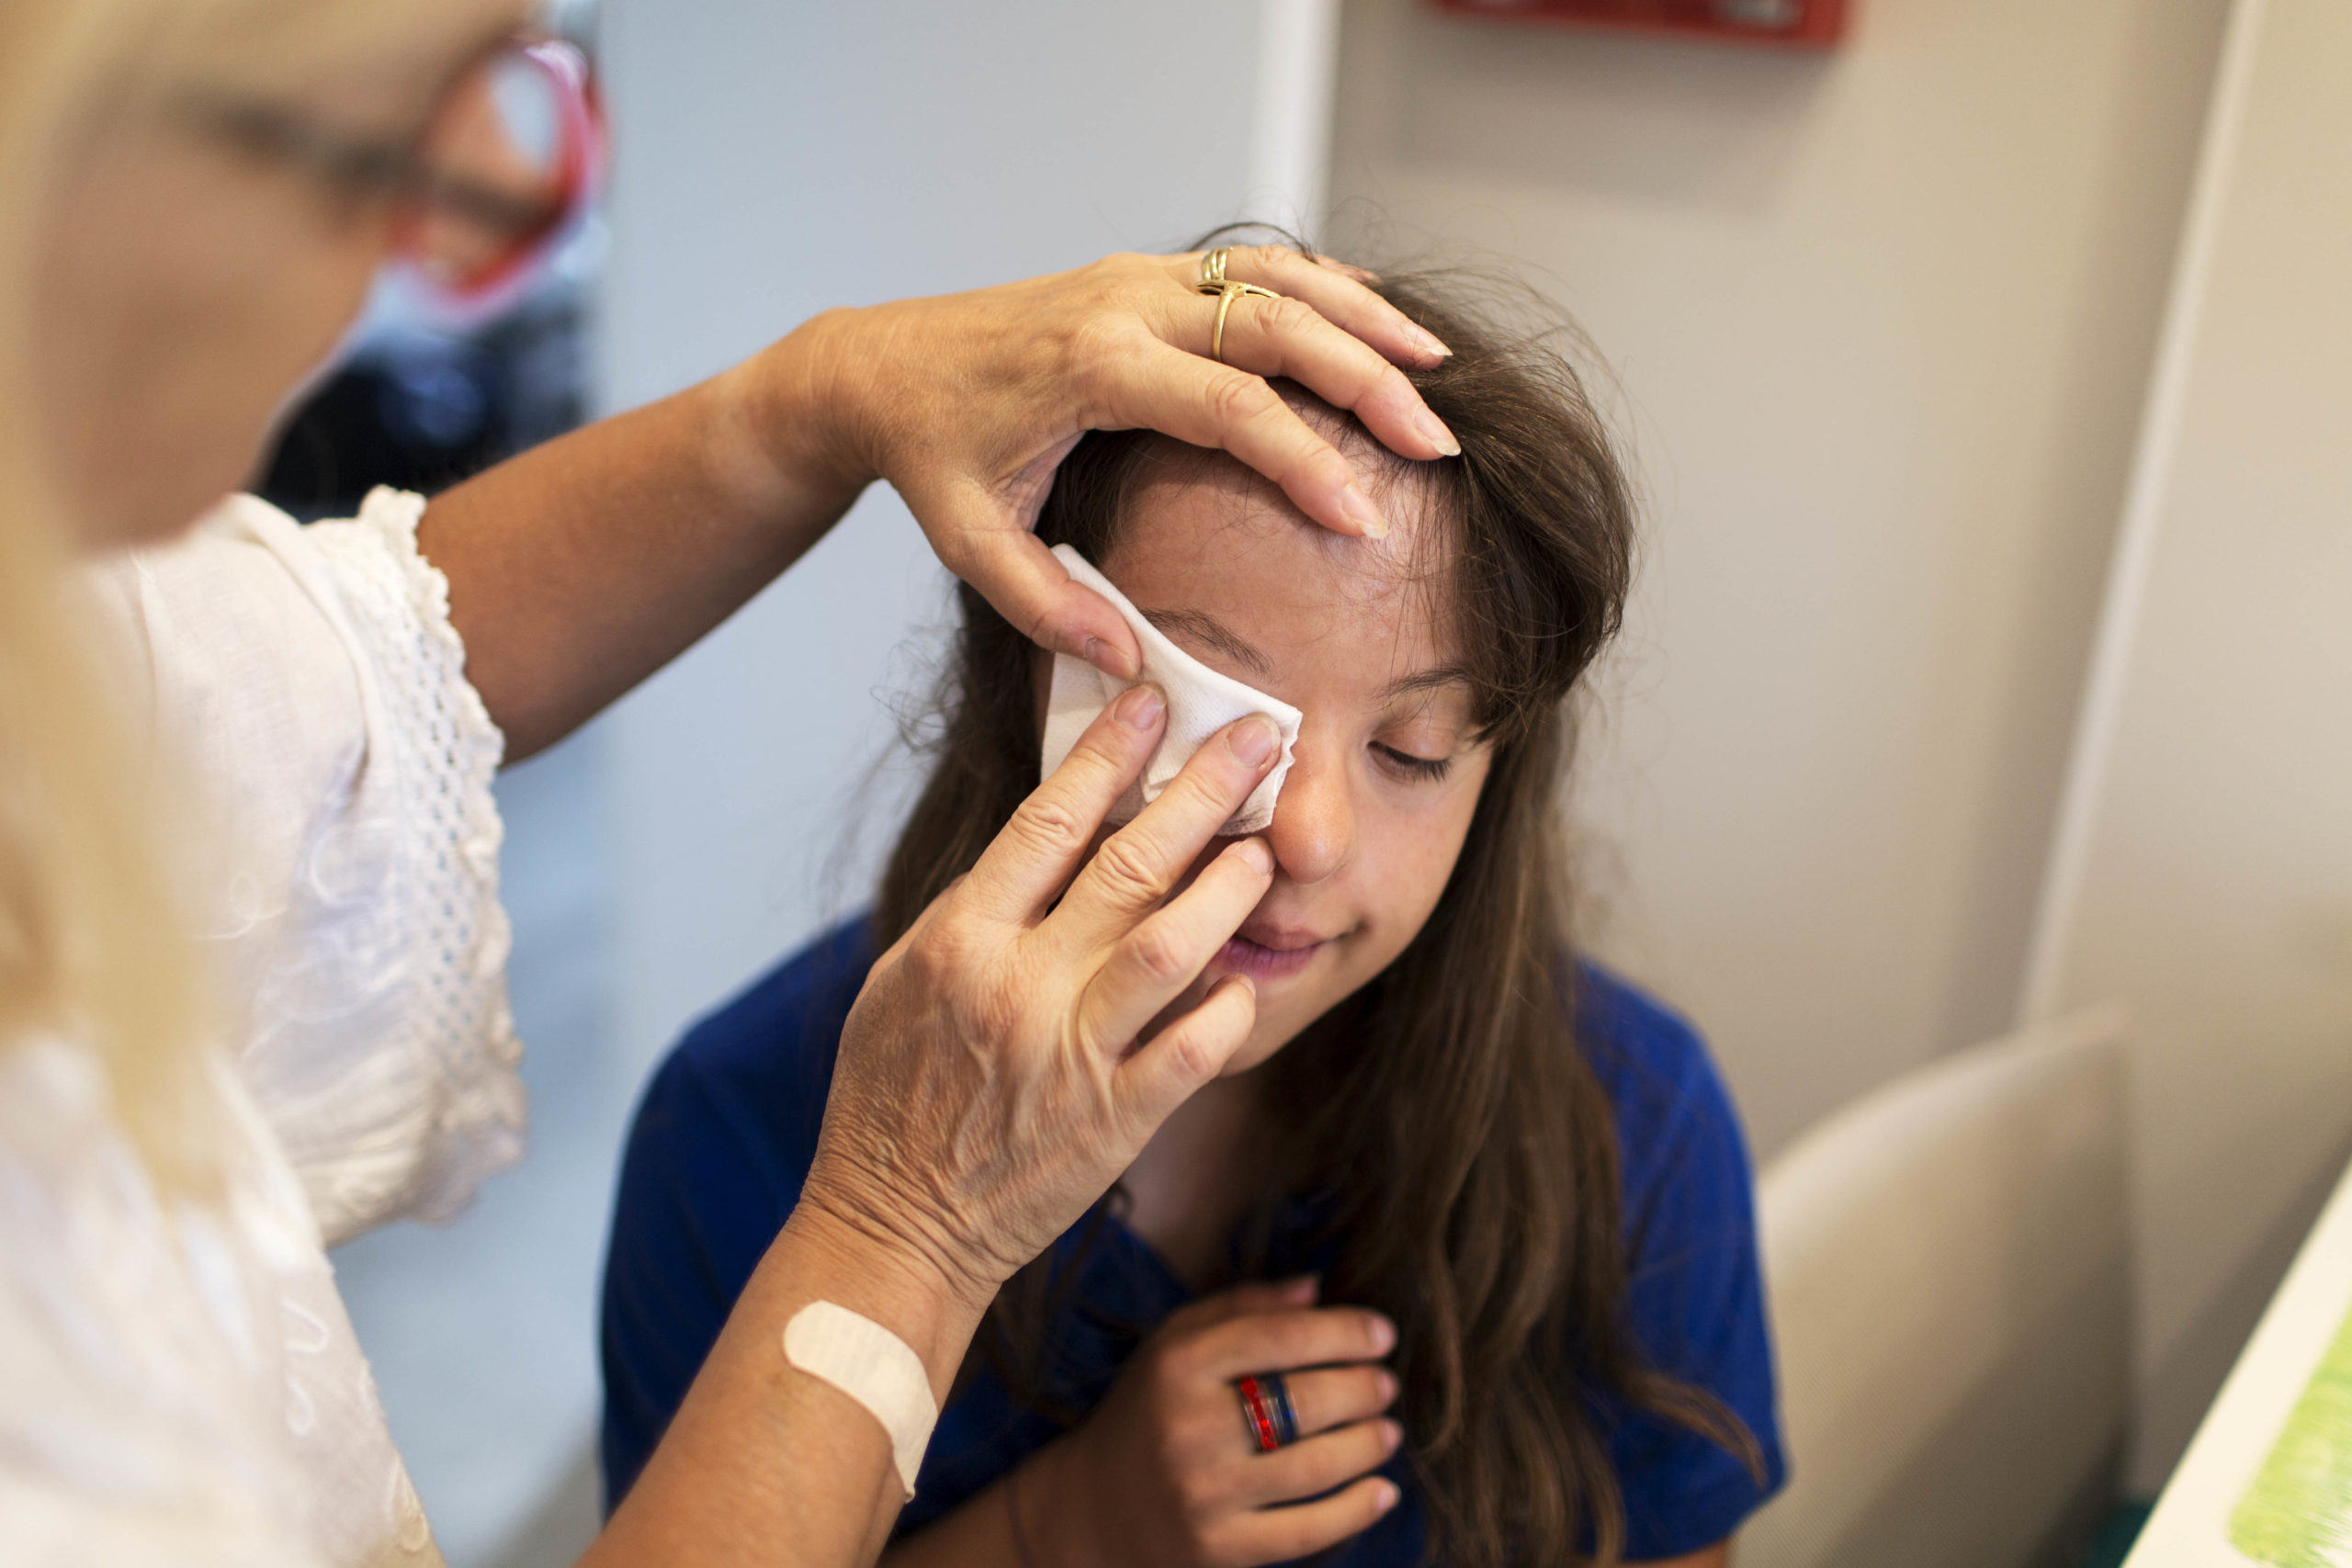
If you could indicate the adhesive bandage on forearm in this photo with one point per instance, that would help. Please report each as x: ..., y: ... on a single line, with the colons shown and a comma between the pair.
x: 874, y: 1367
x: 1200, y: 703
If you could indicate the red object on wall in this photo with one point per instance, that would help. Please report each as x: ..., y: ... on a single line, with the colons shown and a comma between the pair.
x: 1803, y: 24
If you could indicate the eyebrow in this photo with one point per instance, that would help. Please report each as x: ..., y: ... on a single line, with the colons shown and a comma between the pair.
x: 1203, y: 627
x: 1429, y: 680
x: 1206, y: 629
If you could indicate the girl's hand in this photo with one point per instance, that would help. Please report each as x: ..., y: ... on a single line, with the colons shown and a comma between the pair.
x: 967, y: 402
x: 1166, y: 1472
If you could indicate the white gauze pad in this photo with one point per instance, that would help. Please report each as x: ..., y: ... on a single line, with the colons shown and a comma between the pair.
x: 1200, y: 703
x: 874, y: 1367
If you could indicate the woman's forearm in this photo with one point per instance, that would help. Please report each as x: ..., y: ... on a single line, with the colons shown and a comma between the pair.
x: 580, y: 567
x: 766, y: 1465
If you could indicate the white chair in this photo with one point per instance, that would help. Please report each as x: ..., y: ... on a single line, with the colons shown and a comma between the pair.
x: 1948, y: 1269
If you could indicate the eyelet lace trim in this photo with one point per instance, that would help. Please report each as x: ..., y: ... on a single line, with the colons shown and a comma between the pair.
x: 445, y: 752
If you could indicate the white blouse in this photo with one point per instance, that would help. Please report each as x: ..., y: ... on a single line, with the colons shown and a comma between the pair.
x: 178, y: 1382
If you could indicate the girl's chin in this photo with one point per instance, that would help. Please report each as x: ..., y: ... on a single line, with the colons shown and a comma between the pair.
x: 1265, y: 1043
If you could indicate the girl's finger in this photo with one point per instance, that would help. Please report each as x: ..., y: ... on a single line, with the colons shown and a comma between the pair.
x: 1301, y: 1529
x: 1328, y: 1397
x: 1312, y: 1466
x: 1290, y: 1341
x: 1026, y: 868
x: 1241, y: 1300
x: 1154, y: 964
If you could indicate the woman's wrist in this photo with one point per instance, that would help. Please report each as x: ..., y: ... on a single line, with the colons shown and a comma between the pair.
x: 786, y: 431
x: 900, y: 1286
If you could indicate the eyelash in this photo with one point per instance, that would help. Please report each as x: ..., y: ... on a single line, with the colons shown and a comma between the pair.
x: 1430, y: 768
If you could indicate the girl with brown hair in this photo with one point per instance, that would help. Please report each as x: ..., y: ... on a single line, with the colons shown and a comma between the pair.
x: 1522, y: 1177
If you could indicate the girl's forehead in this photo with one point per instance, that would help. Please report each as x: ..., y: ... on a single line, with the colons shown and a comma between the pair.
x: 1207, y: 543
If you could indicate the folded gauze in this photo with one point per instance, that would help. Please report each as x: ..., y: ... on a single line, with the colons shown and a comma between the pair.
x: 1200, y: 703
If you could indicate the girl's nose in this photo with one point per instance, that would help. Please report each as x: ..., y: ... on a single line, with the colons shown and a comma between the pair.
x: 1314, y: 830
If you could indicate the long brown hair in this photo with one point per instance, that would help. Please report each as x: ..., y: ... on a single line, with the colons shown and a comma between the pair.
x: 1466, y: 1150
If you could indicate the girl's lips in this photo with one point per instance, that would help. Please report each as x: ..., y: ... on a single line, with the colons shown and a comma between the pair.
x: 1239, y: 955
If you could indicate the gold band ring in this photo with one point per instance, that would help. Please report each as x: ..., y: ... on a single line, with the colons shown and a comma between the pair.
x: 1227, y: 293
x: 1212, y: 268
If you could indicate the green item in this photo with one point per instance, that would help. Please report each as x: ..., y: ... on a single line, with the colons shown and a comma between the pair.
x: 2297, y: 1513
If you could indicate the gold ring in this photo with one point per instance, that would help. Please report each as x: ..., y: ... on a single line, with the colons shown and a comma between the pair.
x: 1212, y: 268
x: 1227, y: 293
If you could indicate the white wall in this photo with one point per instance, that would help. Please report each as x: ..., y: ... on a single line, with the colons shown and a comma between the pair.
x: 1881, y: 320
x: 2206, y: 877
x: 775, y: 160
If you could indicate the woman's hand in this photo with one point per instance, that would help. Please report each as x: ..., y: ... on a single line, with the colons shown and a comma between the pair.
x: 1165, y: 1471
x: 988, y: 1088
x: 582, y: 565
x: 991, y: 1085
x: 967, y: 402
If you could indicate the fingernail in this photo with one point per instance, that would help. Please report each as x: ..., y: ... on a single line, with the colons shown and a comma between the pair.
x: 1384, y: 1497
x: 1255, y: 739
x: 1434, y: 432
x: 1430, y: 343
x: 1384, y: 1383
x: 1303, y: 1289
x: 1383, y: 1335
x: 1358, y: 509
x: 1139, y: 707
x: 1391, y: 1435
x: 1261, y: 858
x: 1109, y: 657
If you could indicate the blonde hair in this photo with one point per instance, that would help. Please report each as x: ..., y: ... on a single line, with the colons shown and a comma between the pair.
x: 91, y: 942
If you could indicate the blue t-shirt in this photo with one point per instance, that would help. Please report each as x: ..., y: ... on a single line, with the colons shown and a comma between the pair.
x: 729, y: 1127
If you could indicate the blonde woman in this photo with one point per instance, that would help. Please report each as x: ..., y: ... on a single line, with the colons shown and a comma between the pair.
x: 281, y: 739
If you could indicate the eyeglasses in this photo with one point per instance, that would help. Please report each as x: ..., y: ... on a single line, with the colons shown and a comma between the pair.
x: 512, y: 156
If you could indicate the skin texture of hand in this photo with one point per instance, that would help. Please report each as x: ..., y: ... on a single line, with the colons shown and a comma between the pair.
x: 1164, y: 1473
x: 580, y: 567
x: 990, y: 1086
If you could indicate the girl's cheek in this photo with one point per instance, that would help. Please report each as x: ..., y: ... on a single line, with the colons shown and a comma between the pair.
x: 1406, y: 854
x: 1430, y: 846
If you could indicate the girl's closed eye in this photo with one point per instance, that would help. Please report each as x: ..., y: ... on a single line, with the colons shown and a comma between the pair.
x: 1411, y: 765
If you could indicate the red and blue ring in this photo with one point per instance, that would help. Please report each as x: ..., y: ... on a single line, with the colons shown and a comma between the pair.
x: 1266, y: 1406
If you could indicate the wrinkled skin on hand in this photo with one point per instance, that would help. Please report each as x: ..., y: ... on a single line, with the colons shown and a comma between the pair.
x: 991, y: 1085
